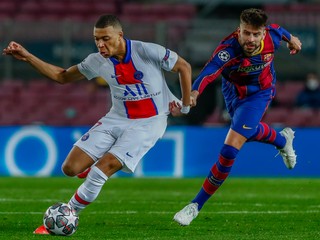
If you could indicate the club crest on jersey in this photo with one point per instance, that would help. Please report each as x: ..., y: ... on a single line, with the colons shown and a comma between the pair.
x: 224, y: 55
x: 267, y: 57
x: 138, y: 75
x: 85, y: 137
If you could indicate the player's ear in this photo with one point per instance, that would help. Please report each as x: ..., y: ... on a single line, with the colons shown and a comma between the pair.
x: 264, y: 34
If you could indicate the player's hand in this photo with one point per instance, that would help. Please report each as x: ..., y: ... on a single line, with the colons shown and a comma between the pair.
x: 175, y: 108
x: 294, y: 45
x: 16, y: 50
x: 193, y: 98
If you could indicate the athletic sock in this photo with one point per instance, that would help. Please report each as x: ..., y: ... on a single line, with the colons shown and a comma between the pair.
x: 267, y: 134
x: 89, y: 189
x: 218, y: 173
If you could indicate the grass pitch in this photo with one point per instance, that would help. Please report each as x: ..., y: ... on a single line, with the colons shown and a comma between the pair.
x: 133, y: 208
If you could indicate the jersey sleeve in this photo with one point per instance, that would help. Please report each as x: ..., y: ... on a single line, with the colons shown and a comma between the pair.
x: 213, y: 68
x: 165, y: 57
x: 279, y: 33
x: 89, y: 67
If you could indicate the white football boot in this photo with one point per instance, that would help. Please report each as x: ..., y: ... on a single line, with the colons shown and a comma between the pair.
x: 185, y: 216
x: 287, y: 152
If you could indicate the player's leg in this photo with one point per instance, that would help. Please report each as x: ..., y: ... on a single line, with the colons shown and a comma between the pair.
x: 246, y: 115
x: 221, y: 169
x: 84, y: 174
x: 86, y: 151
x: 76, y: 162
x: 217, y: 175
x: 89, y: 149
x: 266, y: 134
x: 134, y: 140
x: 91, y: 187
x: 282, y: 140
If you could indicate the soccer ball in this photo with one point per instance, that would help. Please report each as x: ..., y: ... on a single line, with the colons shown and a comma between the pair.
x: 61, y: 219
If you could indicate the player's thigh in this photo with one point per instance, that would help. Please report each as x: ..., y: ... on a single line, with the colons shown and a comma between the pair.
x: 137, y: 140
x: 99, y: 139
x: 76, y: 162
x: 248, y: 115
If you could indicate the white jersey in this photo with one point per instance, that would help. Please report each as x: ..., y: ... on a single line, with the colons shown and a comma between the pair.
x: 137, y: 84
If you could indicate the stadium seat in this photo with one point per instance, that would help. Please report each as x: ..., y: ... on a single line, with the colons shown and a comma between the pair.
x: 158, y: 11
x: 7, y: 7
x: 104, y: 7
x: 287, y: 92
x: 30, y: 7
x: 299, y: 117
x: 276, y: 116
x: 215, y: 119
x: 314, y: 121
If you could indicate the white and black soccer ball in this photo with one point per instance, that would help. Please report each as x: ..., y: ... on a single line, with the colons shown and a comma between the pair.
x: 61, y: 219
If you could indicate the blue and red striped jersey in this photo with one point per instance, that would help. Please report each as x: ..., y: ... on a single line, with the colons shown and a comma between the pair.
x: 242, y: 75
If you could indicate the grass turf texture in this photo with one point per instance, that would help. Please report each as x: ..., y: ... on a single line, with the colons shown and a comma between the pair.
x: 133, y: 208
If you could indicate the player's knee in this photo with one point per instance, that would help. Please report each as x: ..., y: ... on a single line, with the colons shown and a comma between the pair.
x: 229, y: 152
x: 68, y: 170
x: 109, y: 165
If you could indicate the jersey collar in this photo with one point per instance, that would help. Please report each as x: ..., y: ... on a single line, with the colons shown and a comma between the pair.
x: 127, y: 56
x: 261, y: 48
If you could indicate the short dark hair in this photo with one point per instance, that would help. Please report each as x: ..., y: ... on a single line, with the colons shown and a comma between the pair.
x: 108, y: 20
x: 254, y: 17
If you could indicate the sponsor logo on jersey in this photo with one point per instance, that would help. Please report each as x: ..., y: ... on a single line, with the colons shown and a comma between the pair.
x: 253, y: 68
x: 224, y: 55
x: 246, y: 127
x: 85, y: 137
x: 131, y: 96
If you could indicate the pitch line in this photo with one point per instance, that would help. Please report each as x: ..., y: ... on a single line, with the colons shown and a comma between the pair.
x: 165, y: 212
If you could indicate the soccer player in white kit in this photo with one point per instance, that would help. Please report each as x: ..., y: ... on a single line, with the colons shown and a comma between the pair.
x: 141, y: 101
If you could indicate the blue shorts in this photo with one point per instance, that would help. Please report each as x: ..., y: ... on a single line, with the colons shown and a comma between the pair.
x: 247, y: 113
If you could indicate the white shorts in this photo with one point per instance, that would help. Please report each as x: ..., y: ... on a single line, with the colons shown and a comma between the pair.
x: 127, y: 139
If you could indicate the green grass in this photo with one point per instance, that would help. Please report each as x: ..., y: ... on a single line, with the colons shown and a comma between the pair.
x: 131, y: 208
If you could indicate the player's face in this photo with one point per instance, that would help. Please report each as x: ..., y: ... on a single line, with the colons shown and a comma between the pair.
x: 109, y: 41
x: 250, y: 38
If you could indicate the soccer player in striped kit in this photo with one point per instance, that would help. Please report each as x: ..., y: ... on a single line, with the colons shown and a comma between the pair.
x: 141, y: 102
x: 245, y: 61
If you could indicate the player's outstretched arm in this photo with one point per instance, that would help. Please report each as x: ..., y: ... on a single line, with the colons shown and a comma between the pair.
x: 294, y: 45
x: 184, y: 70
x: 53, y: 72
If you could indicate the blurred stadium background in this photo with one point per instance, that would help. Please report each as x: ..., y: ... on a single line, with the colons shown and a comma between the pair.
x: 40, y: 120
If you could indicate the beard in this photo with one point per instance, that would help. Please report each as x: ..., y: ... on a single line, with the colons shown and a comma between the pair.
x: 250, y: 48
